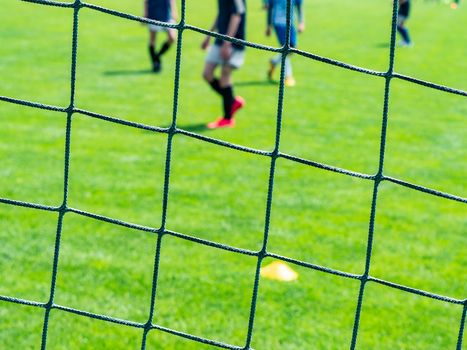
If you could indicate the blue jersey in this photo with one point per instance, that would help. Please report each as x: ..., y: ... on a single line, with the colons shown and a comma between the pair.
x: 159, y: 10
x: 277, y: 11
x: 227, y: 8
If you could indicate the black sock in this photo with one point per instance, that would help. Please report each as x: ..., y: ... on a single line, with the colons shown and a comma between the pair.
x: 215, y: 84
x: 404, y: 33
x: 164, y: 48
x: 228, y: 99
x: 153, y: 54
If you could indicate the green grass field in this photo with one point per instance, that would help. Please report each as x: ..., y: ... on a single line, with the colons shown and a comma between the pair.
x: 332, y: 116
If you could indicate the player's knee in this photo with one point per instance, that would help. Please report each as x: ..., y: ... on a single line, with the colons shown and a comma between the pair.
x: 171, y: 39
x: 226, y: 74
x: 208, y: 76
x: 225, y: 80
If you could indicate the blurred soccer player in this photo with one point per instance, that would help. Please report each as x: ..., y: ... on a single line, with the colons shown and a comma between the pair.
x: 402, y: 16
x: 455, y: 4
x: 164, y: 11
x: 229, y: 56
x: 277, y: 17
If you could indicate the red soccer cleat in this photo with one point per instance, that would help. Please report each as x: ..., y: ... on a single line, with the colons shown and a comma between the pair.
x: 222, y: 123
x: 238, y: 103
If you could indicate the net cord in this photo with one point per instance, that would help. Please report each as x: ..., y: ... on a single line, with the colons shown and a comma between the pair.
x: 275, y: 154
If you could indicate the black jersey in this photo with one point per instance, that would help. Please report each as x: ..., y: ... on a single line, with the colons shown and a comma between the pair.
x: 159, y: 10
x: 404, y: 9
x: 227, y: 8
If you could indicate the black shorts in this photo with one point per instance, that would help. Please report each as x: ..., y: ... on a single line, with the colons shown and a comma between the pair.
x: 404, y: 9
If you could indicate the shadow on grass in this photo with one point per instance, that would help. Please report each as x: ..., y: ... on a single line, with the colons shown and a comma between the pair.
x: 128, y: 72
x: 264, y: 82
x: 383, y: 45
x: 194, y: 127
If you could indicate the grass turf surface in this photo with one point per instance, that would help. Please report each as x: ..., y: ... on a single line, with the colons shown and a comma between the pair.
x: 332, y: 116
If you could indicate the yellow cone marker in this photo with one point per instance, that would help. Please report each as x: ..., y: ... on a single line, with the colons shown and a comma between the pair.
x: 279, y: 271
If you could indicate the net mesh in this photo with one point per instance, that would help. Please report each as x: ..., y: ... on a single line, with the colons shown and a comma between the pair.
x: 171, y: 131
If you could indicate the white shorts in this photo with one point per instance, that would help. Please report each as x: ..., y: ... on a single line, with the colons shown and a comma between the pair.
x: 236, y: 58
x: 156, y: 28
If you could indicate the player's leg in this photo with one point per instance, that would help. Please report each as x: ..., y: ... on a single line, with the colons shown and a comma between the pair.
x: 226, y: 91
x: 289, y: 79
x: 235, y: 62
x: 171, y: 36
x: 152, y: 38
x: 213, y: 59
x: 282, y: 38
x: 208, y: 76
x: 152, y: 51
x: 273, y: 62
x: 224, y: 85
x: 403, y: 31
x: 280, y: 34
x: 151, y: 45
x: 403, y: 15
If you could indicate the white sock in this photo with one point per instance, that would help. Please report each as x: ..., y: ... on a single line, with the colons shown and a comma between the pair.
x: 288, y: 67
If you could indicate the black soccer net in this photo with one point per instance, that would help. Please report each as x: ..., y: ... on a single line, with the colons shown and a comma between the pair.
x: 274, y: 155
